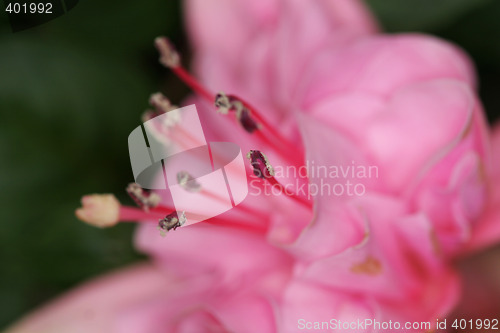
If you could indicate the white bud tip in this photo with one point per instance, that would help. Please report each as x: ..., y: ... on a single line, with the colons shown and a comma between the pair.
x: 99, y: 210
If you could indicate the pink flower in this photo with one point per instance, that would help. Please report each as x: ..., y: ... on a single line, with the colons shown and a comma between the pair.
x: 396, y: 124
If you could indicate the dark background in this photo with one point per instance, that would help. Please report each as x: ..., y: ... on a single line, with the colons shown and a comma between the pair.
x: 71, y: 90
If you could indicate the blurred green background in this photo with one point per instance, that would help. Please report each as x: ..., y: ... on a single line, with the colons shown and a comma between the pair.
x: 72, y: 89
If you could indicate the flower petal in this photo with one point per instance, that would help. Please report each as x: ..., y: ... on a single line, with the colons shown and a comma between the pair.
x: 309, y: 306
x: 332, y: 160
x: 239, y: 257
x: 381, y: 65
x: 253, y: 48
x: 95, y: 306
x: 397, y: 263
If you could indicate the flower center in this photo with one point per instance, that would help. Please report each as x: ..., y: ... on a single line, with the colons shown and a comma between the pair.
x: 105, y: 210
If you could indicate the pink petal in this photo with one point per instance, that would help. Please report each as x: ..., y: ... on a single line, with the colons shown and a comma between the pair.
x: 200, y: 304
x: 429, y: 116
x: 380, y: 65
x: 397, y: 263
x: 95, y: 306
x: 304, y: 29
x: 226, y: 26
x: 306, y: 304
x: 248, y: 313
x: 375, y: 266
x: 401, y: 135
x: 454, y: 196
x: 253, y: 48
x: 239, y: 257
x: 327, y: 149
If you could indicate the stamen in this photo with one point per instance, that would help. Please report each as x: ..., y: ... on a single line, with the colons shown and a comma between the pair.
x: 142, y: 197
x: 187, y: 182
x: 162, y: 105
x: 169, y: 55
x: 170, y: 129
x: 246, y: 115
x: 222, y: 103
x: 263, y: 169
x: 172, y: 118
x: 251, y: 121
x: 99, y: 210
x: 104, y: 210
x: 171, y: 221
x: 171, y: 59
x: 261, y: 166
x: 225, y: 103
